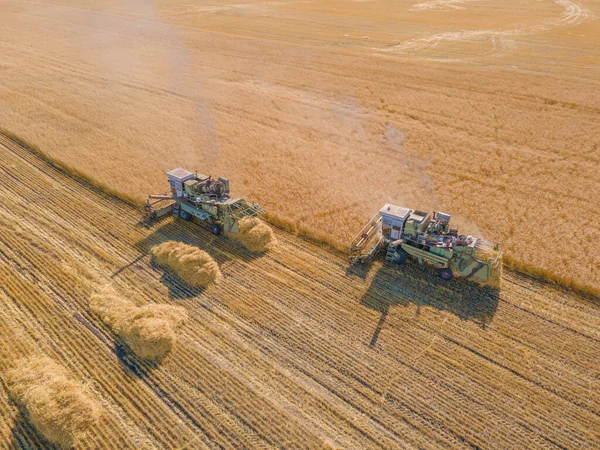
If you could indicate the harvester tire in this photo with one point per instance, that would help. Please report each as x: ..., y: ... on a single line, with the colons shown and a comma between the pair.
x: 215, y: 229
x: 185, y: 215
x: 400, y: 256
x: 446, y: 274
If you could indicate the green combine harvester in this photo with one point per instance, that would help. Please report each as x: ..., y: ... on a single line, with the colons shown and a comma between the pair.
x: 404, y: 233
x: 200, y: 197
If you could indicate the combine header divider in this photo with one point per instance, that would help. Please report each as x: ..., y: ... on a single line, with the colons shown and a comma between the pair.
x: 368, y: 241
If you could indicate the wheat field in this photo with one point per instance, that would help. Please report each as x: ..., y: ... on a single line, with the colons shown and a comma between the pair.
x: 324, y: 110
x: 292, y: 348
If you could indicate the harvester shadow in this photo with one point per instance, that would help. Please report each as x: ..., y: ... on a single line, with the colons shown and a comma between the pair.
x: 132, y: 263
x: 24, y: 433
x: 220, y: 248
x: 129, y: 362
x: 357, y: 270
x: 419, y: 285
x: 178, y: 290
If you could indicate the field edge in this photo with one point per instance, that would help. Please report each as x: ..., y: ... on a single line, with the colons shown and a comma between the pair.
x: 509, y: 262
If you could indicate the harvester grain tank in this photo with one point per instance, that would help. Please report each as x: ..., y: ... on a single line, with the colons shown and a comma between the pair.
x: 200, y: 197
x: 404, y: 233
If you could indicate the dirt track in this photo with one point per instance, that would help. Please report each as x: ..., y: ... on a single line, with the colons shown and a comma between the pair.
x: 292, y: 348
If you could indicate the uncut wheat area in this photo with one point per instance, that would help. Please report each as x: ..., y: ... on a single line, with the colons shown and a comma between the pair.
x: 322, y: 111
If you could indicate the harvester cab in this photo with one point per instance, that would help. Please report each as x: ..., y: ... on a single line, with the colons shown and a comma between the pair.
x: 403, y: 232
x: 197, y: 196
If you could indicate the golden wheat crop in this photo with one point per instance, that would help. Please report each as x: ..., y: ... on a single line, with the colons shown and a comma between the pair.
x: 194, y: 266
x: 149, y: 330
x: 292, y: 348
x: 56, y: 404
x: 322, y: 113
x: 255, y: 235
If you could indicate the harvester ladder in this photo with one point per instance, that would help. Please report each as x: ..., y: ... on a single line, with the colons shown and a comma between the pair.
x: 389, y: 254
x: 176, y: 209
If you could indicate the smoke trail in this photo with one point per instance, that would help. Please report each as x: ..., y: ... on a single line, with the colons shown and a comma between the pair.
x: 418, y: 167
x: 186, y: 81
x: 113, y: 53
x: 348, y: 113
x: 205, y: 119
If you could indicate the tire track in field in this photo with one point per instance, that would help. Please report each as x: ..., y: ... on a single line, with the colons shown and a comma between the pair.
x: 573, y: 13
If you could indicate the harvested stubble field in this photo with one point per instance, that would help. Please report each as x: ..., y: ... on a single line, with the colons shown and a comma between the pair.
x: 291, y: 348
x: 323, y: 110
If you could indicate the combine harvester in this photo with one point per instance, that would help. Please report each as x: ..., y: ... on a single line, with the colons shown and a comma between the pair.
x: 403, y: 232
x: 201, y: 197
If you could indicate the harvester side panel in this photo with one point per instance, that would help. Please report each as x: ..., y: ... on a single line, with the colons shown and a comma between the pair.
x: 164, y: 211
x: 423, y: 255
x: 194, y: 211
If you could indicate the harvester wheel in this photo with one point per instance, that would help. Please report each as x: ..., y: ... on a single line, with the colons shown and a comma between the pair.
x: 446, y: 274
x: 215, y: 229
x: 185, y: 215
x: 400, y: 256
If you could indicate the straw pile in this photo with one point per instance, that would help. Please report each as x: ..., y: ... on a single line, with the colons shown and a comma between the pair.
x: 150, y: 330
x: 194, y: 266
x: 255, y: 235
x: 54, y: 403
